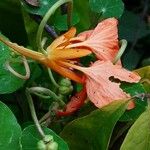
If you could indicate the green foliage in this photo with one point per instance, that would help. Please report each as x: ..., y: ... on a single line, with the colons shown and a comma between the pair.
x: 43, y: 7
x: 128, y: 61
x: 131, y: 30
x: 146, y: 62
x: 60, y: 21
x: 131, y: 23
x: 145, y: 75
x: 12, y: 83
x: 89, y: 128
x: 11, y: 23
x: 140, y: 104
x: 10, y: 130
x: 107, y: 8
x: 138, y: 136
x: 94, y: 130
x: 31, y: 28
x: 84, y: 14
x: 30, y: 138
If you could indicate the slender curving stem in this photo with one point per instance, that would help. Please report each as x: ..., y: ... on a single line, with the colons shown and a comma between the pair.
x: 46, y: 18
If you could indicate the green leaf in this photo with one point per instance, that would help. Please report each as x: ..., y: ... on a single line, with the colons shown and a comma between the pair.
x: 8, y: 82
x: 44, y: 6
x: 107, y: 8
x: 83, y: 10
x: 130, y: 28
x: 31, y: 28
x: 60, y: 21
x: 10, y: 131
x: 12, y: 23
x: 145, y: 75
x: 134, y: 89
x: 146, y: 62
x: 30, y: 138
x: 138, y: 136
x: 94, y: 130
x: 128, y: 61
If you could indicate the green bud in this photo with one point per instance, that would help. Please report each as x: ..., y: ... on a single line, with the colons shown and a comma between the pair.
x: 65, y: 82
x: 65, y: 90
x: 48, y: 138
x: 52, y: 146
x: 61, y: 96
x: 41, y: 145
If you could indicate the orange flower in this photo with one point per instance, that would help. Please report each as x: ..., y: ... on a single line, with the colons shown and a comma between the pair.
x: 103, y: 40
x: 56, y: 51
x: 101, y: 89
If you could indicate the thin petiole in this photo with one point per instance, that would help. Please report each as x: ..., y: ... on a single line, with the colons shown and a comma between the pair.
x: 33, y: 113
x: 121, y: 51
x: 27, y: 69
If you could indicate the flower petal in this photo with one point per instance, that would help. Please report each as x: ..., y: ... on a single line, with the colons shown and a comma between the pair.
x: 103, y: 41
x: 100, y: 89
x: 69, y: 53
x: 82, y: 36
x: 64, y: 71
x: 71, y: 33
x: 62, y: 39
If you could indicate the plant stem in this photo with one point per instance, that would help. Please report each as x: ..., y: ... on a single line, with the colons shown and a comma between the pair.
x: 121, y: 51
x: 33, y: 113
x: 52, y: 78
x: 45, y: 19
x: 41, y: 95
x: 46, y: 116
x: 48, y: 28
x: 27, y: 69
x: 47, y: 92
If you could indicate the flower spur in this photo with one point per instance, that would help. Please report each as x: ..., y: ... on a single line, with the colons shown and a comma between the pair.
x: 55, y: 52
x: 103, y: 41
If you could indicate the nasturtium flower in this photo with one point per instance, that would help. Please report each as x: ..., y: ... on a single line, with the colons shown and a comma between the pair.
x: 103, y: 40
x: 56, y: 51
x: 62, y: 56
x: 101, y: 85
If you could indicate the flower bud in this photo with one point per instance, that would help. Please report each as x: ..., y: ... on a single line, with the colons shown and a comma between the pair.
x: 41, y: 145
x: 48, y: 138
x: 62, y: 97
x: 65, y: 82
x: 64, y: 90
x: 52, y: 146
